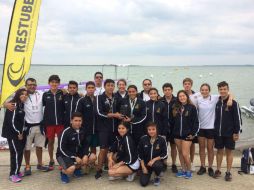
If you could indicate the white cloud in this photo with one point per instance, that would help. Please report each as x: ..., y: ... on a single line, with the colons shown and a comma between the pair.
x: 141, y: 31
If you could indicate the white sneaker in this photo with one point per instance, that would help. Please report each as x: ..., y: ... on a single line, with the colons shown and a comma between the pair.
x: 193, y: 168
x: 131, y: 177
x: 111, y: 178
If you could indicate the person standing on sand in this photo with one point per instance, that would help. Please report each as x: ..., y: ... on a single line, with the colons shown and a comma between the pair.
x: 108, y: 117
x: 53, y: 118
x: 227, y: 124
x: 187, y: 85
x: 13, y: 131
x: 206, y: 104
x: 186, y: 127
x: 86, y: 106
x: 169, y: 99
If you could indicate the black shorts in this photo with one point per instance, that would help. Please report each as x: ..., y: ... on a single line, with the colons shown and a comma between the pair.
x: 170, y: 137
x: 183, y: 138
x: 106, y: 139
x: 207, y: 133
x: 66, y: 162
x: 224, y: 142
x: 195, y: 140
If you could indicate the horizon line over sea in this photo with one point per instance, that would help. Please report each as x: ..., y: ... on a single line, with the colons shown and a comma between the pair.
x: 148, y: 65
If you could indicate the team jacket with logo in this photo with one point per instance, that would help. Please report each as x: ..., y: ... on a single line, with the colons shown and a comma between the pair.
x: 186, y: 121
x: 156, y: 112
x: 14, y: 122
x: 70, y: 104
x: 147, y: 151
x: 72, y: 143
x: 227, y: 118
x: 125, y: 149
x: 105, y: 105
x: 86, y: 106
x: 119, y: 96
x: 136, y: 110
x: 168, y: 106
x: 54, y: 108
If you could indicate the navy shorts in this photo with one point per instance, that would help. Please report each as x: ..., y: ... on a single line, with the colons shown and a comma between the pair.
x: 106, y: 139
x: 207, y: 133
x: 183, y: 138
x: 66, y: 162
x: 224, y: 142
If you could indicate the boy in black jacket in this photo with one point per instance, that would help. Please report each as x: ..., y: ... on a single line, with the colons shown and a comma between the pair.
x: 169, y: 99
x: 86, y: 106
x: 152, y: 151
x: 70, y: 102
x: 227, y: 127
x: 73, y: 149
x: 53, y: 118
x: 108, y: 117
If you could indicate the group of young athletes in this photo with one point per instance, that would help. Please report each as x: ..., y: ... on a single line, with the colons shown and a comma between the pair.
x: 132, y: 129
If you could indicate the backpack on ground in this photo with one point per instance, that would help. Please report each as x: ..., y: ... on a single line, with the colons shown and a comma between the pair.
x: 247, y: 163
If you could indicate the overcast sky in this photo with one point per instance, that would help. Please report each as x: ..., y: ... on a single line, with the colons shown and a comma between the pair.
x: 147, y: 32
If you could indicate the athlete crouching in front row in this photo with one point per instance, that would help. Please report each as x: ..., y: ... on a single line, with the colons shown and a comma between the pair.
x: 73, y: 149
x: 123, y: 158
x: 152, y: 151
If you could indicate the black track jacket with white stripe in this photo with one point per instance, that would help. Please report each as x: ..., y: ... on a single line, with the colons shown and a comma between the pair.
x: 227, y: 118
x: 13, y: 124
x: 147, y: 151
x: 87, y: 108
x: 136, y: 110
x: 72, y: 144
x: 54, y: 108
x: 70, y: 104
x: 125, y: 149
x: 105, y: 105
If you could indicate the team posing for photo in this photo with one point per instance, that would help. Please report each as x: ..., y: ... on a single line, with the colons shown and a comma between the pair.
x: 131, y: 129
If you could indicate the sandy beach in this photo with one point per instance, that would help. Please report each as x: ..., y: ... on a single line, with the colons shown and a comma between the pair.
x: 50, y: 180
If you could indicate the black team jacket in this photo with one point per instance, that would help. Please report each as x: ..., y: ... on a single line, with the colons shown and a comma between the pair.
x: 156, y: 112
x: 105, y: 105
x: 185, y: 121
x: 227, y: 118
x: 168, y: 106
x: 147, y: 151
x: 14, y: 122
x: 53, y: 108
x: 136, y: 110
x: 70, y: 104
x: 86, y: 106
x: 125, y: 149
x: 72, y: 144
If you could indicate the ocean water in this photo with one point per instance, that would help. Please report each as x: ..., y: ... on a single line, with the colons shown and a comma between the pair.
x: 240, y: 79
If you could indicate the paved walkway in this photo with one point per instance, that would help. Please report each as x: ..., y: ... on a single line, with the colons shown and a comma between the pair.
x: 51, y: 181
